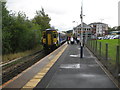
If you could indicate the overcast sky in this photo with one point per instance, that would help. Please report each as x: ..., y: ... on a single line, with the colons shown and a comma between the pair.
x: 64, y: 12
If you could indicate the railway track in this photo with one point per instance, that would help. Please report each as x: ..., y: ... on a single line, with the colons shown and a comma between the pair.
x: 12, y: 69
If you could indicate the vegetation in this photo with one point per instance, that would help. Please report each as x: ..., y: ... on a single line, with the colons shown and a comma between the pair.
x: 113, y: 29
x: 20, y: 34
x: 112, y: 43
x: 42, y: 19
x: 112, y: 48
x: 12, y: 56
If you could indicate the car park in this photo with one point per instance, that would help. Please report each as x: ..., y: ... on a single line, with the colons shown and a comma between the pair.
x: 109, y: 37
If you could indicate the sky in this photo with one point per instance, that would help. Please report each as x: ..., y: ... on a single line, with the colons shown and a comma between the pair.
x: 119, y: 14
x: 64, y: 12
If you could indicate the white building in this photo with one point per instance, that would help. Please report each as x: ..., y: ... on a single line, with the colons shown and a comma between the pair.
x: 86, y: 29
x: 99, y: 29
x: 87, y: 32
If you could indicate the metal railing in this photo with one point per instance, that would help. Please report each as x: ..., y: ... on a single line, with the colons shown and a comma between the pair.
x: 102, y: 52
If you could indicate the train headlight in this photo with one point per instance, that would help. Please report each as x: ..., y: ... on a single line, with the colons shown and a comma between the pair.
x: 55, y: 43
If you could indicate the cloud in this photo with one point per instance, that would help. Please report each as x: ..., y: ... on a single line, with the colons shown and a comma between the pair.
x: 63, y: 12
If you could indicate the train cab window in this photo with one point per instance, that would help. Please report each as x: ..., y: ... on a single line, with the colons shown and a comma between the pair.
x: 55, y: 35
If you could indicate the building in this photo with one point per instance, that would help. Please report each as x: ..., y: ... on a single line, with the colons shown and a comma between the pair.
x: 86, y: 30
x: 99, y: 29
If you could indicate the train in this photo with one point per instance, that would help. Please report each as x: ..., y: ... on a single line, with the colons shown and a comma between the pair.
x: 52, y: 38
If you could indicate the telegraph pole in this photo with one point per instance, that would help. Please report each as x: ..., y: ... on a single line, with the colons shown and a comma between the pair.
x: 81, y: 34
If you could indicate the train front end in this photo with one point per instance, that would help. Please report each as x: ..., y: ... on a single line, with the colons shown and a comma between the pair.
x: 50, y: 39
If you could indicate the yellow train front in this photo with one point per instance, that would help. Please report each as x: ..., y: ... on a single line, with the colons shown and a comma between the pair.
x: 52, y: 38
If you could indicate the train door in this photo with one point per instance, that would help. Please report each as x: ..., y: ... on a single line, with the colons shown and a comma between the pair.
x: 49, y: 38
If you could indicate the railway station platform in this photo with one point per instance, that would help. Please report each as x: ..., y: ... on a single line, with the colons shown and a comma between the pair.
x: 65, y: 69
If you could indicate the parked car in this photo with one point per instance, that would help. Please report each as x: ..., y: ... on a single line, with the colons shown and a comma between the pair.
x: 111, y: 37
x: 116, y: 37
x: 99, y: 38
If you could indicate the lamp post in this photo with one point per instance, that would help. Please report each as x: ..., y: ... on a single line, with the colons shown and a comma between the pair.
x: 81, y: 40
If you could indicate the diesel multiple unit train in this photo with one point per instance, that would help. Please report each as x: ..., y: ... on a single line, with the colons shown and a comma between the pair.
x: 52, y: 38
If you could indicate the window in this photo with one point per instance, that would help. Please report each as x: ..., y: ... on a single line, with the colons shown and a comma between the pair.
x: 55, y: 35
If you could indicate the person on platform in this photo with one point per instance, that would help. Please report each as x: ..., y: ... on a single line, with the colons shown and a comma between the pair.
x: 72, y: 40
x: 68, y: 40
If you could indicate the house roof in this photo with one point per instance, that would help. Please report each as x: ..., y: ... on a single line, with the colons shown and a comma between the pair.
x: 96, y: 23
x: 84, y: 25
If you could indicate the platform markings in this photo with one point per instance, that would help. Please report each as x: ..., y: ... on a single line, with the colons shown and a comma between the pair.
x: 37, y: 78
x: 3, y: 85
x: 70, y: 66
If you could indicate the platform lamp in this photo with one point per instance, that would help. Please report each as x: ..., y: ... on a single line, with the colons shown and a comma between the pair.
x: 81, y: 34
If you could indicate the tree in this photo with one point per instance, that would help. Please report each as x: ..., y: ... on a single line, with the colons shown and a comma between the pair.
x: 118, y: 28
x: 42, y: 19
x: 52, y: 27
x: 19, y: 33
x: 6, y: 34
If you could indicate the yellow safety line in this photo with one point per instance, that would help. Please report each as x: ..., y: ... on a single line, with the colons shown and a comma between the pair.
x: 37, y: 78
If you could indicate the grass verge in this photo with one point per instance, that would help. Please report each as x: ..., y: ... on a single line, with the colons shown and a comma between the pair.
x: 10, y: 57
x: 112, y: 43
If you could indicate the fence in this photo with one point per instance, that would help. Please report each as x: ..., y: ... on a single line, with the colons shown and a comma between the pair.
x: 110, y: 59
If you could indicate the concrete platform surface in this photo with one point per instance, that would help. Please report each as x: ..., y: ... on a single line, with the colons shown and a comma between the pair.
x: 72, y: 72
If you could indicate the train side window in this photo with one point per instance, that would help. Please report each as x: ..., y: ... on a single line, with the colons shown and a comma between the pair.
x: 44, y: 36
